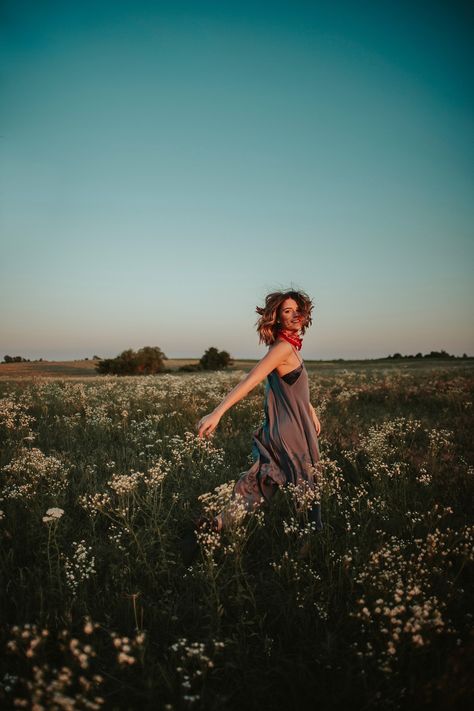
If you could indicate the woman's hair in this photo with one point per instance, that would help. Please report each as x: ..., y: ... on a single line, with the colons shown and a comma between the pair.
x: 267, y: 326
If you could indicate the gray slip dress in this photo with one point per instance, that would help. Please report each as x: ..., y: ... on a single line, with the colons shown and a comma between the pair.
x: 285, y: 447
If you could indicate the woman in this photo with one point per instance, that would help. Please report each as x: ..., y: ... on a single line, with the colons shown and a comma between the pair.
x: 285, y: 447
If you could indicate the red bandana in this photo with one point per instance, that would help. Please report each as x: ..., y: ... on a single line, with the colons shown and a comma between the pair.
x: 291, y: 337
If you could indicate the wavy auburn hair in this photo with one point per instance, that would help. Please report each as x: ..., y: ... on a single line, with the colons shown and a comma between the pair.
x: 267, y: 326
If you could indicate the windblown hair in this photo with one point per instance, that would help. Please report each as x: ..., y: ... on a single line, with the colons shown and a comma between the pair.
x: 267, y: 326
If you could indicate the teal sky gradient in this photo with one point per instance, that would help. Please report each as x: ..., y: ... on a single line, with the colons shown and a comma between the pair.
x: 166, y: 164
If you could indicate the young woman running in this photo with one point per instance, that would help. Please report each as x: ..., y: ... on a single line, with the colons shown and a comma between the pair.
x: 285, y: 447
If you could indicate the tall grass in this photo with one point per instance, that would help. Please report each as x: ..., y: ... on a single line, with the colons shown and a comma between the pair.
x: 99, y: 480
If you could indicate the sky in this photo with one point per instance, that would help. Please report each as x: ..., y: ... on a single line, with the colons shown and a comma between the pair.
x: 165, y: 165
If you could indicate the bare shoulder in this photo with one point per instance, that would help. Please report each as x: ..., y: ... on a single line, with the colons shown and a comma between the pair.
x: 276, y: 356
x: 281, y: 350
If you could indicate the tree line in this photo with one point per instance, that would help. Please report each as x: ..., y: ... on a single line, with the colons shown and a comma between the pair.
x: 150, y: 360
x: 432, y: 354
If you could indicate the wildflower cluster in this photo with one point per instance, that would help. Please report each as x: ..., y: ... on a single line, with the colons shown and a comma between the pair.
x: 97, y: 414
x: 423, y: 477
x: 192, y: 450
x: 157, y: 472
x: 377, y: 504
x: 142, y: 433
x: 80, y: 566
x: 27, y: 638
x: 328, y: 479
x: 15, y: 421
x: 441, y: 440
x: 123, y: 484
x: 399, y: 604
x: 95, y: 503
x: 32, y: 473
x: 214, y: 501
x: 53, y: 514
x: 304, y: 494
x: 34, y: 682
x: 232, y: 509
x: 128, y: 648
x: 293, y: 527
x: 195, y: 659
x: 116, y: 534
x: 383, y: 443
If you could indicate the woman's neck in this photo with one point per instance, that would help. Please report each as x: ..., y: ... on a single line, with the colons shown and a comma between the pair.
x: 292, y: 337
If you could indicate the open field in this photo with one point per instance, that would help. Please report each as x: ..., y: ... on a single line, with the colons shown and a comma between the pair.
x: 99, y: 477
x: 66, y: 368
x: 71, y: 369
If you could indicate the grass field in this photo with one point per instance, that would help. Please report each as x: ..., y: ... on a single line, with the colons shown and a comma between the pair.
x: 100, y: 475
x: 84, y: 368
x: 80, y: 369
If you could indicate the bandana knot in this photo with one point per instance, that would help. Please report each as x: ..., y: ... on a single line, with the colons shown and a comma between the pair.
x: 291, y: 337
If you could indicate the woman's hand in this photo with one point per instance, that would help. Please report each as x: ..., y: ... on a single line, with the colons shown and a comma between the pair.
x: 317, y: 423
x: 208, y: 424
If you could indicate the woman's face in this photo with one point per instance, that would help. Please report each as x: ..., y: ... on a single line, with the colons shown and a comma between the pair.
x: 290, y: 315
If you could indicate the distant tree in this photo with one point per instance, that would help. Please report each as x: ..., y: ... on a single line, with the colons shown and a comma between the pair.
x: 7, y: 359
x: 215, y: 360
x: 438, y: 354
x: 146, y: 361
x: 123, y: 364
x: 397, y: 355
x: 96, y: 357
x: 150, y: 360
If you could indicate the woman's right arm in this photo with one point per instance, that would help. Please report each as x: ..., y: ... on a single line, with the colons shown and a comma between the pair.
x: 277, y: 355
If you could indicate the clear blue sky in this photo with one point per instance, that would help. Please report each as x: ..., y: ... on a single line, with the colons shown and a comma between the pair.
x: 164, y: 165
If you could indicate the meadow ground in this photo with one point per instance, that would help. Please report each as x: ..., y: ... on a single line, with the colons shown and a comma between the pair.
x: 100, y: 476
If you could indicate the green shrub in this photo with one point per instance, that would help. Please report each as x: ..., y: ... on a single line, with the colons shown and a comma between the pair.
x: 146, y: 361
x: 215, y: 360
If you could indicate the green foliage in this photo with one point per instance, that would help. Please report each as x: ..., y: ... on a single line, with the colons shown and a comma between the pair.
x: 15, y: 359
x: 441, y: 355
x: 146, y: 361
x: 190, y: 367
x: 214, y: 359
